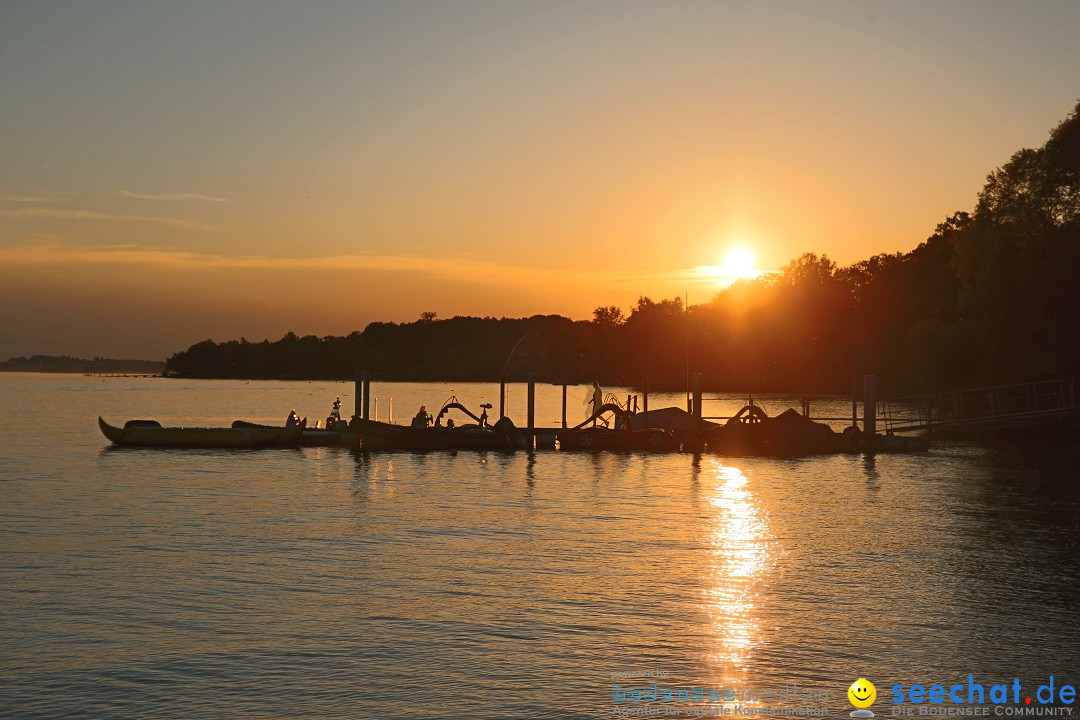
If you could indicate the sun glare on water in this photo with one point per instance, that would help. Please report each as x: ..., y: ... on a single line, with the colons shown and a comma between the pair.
x: 739, y: 264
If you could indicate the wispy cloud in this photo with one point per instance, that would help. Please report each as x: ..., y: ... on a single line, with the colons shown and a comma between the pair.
x: 26, y: 199
x: 172, y: 196
x: 52, y: 213
x: 466, y: 270
x: 60, y: 253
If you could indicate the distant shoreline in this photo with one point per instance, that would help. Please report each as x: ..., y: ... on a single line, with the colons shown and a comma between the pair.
x: 117, y: 374
x: 95, y: 366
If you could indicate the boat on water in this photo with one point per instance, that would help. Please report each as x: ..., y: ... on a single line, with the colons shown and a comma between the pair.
x: 334, y: 435
x: 420, y: 436
x: 150, y: 433
x: 623, y: 436
x: 752, y: 432
x: 376, y: 435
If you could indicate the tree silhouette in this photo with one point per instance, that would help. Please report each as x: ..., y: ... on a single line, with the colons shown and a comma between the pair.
x: 990, y: 296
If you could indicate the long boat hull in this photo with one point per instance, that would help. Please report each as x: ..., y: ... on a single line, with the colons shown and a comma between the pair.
x: 340, y: 435
x: 376, y: 435
x: 152, y: 436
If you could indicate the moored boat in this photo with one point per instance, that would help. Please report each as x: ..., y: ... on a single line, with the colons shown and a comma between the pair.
x: 375, y: 435
x: 421, y: 435
x: 752, y: 432
x: 624, y: 436
x: 150, y: 433
x: 334, y: 435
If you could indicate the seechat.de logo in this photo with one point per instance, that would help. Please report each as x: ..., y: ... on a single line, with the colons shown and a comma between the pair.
x: 862, y: 694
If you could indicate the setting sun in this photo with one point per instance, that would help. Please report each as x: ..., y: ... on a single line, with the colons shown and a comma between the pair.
x: 739, y: 263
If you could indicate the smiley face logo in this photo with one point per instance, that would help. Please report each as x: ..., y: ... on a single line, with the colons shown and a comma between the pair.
x: 862, y: 693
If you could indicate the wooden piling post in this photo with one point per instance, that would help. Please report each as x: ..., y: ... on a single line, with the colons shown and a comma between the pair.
x: 502, y: 398
x: 695, y: 386
x: 645, y: 399
x: 365, y: 377
x: 854, y: 401
x: 358, y: 393
x: 564, y: 406
x: 870, y: 406
x: 532, y: 411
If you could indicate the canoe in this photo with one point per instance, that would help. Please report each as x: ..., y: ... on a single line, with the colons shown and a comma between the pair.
x: 375, y: 435
x: 149, y: 433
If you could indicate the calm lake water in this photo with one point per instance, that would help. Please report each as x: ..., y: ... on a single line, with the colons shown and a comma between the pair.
x: 325, y: 583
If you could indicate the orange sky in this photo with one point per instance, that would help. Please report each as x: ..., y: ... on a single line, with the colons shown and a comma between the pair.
x: 191, y: 170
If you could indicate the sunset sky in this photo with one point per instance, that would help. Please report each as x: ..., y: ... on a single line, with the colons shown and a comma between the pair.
x: 177, y: 171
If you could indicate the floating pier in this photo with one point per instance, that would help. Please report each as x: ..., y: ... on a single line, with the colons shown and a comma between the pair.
x: 750, y: 432
x: 996, y: 410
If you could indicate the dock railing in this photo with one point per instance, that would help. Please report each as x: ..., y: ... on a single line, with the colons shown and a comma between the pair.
x: 998, y: 406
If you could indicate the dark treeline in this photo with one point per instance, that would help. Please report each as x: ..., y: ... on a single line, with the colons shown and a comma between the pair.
x: 65, y: 364
x: 991, y: 297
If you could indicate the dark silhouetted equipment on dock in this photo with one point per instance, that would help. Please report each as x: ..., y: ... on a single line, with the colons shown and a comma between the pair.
x: 1007, y: 410
x: 749, y: 432
x: 624, y: 436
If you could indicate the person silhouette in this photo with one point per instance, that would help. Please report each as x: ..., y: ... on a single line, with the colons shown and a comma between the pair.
x: 597, y: 400
x: 422, y: 418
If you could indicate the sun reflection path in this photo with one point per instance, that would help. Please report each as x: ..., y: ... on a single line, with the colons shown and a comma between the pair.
x: 740, y: 544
